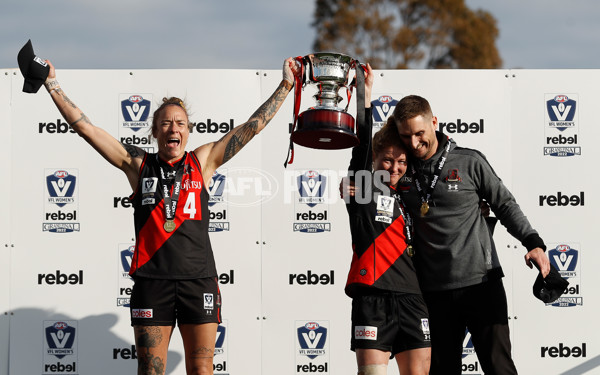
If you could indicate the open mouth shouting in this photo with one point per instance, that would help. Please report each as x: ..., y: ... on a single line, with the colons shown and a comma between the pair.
x: 173, y: 142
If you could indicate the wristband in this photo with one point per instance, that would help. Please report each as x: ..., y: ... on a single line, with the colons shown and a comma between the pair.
x: 51, y: 84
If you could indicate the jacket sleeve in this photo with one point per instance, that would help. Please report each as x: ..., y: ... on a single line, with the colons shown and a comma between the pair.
x: 505, y: 206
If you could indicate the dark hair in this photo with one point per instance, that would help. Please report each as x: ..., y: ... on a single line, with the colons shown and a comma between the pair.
x: 166, y: 102
x: 410, y: 107
x: 386, y: 137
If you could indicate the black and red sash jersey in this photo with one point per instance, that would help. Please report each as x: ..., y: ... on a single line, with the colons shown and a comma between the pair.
x: 186, y: 252
x: 379, y: 260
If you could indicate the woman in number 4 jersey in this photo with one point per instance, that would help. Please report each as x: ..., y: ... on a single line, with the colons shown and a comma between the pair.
x: 173, y: 264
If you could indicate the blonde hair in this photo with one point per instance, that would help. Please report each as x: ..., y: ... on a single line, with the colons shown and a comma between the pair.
x: 170, y: 101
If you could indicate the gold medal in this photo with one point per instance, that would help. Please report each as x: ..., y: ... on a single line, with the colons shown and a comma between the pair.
x: 169, y: 226
x: 410, y: 251
x: 424, y: 208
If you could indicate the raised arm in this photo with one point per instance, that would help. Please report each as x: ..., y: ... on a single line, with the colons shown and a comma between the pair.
x: 215, y: 154
x: 126, y: 158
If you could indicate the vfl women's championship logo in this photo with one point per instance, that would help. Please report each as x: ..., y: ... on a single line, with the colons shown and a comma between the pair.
x: 135, y: 110
x: 561, y: 111
x: 60, y: 339
x: 312, y: 338
x: 311, y: 186
x: 566, y: 260
x: 60, y: 211
x: 562, y: 116
x: 216, y: 189
x: 383, y: 108
x: 61, y: 186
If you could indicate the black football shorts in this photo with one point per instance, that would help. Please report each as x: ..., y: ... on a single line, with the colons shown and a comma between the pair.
x: 158, y: 302
x: 391, y: 322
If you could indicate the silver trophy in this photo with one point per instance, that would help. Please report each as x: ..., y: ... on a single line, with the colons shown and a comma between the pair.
x: 326, y: 126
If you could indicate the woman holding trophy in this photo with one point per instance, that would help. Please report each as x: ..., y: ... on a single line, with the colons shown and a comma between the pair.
x: 389, y: 315
x: 173, y: 264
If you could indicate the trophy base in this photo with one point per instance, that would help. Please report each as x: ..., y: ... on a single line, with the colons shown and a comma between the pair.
x: 325, y: 129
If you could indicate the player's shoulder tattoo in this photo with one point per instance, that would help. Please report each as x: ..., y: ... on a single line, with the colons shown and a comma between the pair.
x: 133, y: 151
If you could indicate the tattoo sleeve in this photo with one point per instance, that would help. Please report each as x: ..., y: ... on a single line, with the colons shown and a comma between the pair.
x: 259, y: 119
x: 241, y: 137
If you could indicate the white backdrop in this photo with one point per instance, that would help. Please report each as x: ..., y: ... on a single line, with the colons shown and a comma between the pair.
x: 282, y: 262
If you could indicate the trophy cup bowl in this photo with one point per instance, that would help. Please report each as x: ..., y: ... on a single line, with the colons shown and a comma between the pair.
x: 326, y: 126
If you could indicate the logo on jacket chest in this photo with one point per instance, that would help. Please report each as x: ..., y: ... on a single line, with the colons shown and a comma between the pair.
x: 453, y: 180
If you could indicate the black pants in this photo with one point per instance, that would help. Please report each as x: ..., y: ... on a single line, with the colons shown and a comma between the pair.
x: 483, y: 310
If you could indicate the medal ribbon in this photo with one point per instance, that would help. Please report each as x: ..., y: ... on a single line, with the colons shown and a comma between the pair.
x: 299, y: 82
x: 426, y: 195
x: 171, y: 199
x: 407, y: 221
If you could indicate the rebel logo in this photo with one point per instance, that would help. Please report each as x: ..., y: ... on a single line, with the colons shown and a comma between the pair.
x: 138, y: 141
x: 59, y: 278
x: 212, y: 127
x: 563, y: 351
x: 311, y: 278
x: 561, y: 199
x: 59, y: 127
x: 227, y: 278
x: 462, y: 127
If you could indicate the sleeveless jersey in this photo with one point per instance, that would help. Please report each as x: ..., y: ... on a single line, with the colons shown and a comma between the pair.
x: 379, y: 259
x: 186, y: 252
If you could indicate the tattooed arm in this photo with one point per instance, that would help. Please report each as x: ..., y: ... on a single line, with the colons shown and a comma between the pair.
x: 125, y: 157
x: 215, y: 154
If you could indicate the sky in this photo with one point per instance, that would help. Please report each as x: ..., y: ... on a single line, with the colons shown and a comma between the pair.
x: 259, y: 34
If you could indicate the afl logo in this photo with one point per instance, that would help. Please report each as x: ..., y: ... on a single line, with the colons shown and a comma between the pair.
x: 61, y: 174
x: 311, y: 325
x: 135, y: 98
x: 60, y: 325
x: 561, y: 98
x: 311, y: 174
x: 386, y: 99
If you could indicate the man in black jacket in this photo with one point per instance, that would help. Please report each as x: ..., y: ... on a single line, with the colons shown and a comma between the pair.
x: 455, y: 257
